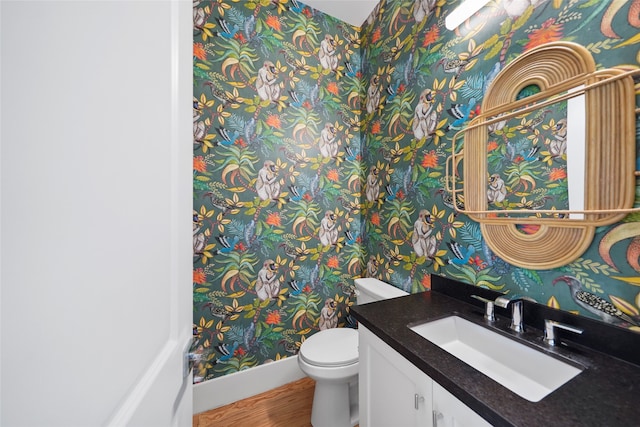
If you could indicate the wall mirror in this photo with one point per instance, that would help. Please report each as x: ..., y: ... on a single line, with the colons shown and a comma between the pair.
x: 551, y: 157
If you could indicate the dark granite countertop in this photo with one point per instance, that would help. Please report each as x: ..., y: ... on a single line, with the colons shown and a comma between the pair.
x: 606, y: 393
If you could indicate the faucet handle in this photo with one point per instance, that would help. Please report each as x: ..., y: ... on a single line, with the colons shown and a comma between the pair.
x: 503, y: 301
x: 516, y: 311
x: 549, y: 330
x: 488, y: 311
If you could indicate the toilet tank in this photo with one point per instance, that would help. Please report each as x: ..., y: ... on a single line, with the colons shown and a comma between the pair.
x: 369, y: 290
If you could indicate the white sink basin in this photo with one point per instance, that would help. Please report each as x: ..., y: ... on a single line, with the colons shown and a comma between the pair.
x: 527, y: 372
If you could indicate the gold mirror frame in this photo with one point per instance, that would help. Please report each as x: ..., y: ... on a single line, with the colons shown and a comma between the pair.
x: 561, y: 70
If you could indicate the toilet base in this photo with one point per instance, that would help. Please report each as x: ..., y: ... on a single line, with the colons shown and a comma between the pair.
x: 331, y: 406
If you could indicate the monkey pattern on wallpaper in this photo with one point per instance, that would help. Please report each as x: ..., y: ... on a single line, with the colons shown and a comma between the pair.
x: 266, y: 84
x: 327, y: 144
x: 373, y: 185
x: 424, y: 118
x: 328, y: 233
x: 497, y: 191
x: 424, y: 244
x: 422, y: 9
x: 373, y: 94
x: 267, y: 184
x: 328, y: 316
x: 372, y: 267
x: 267, y: 283
x: 558, y: 145
x: 327, y: 54
x: 198, y: 238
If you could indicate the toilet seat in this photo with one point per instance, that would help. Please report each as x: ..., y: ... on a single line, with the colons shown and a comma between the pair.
x: 331, y: 348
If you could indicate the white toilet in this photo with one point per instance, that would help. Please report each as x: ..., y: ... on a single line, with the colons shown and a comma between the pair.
x: 330, y: 357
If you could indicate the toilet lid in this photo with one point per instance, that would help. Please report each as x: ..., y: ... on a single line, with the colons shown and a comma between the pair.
x: 331, y: 347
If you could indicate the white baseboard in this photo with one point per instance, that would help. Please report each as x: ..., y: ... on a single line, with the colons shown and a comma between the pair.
x: 240, y: 385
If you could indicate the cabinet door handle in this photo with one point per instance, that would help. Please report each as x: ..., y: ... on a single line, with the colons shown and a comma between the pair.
x: 435, y: 415
x: 416, y: 401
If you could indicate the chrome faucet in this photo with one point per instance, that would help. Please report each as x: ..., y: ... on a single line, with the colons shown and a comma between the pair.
x: 516, y: 311
x: 550, y: 327
x: 504, y: 301
x: 488, y: 308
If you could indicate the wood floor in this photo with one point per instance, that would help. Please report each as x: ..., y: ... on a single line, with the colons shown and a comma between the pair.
x: 286, y: 406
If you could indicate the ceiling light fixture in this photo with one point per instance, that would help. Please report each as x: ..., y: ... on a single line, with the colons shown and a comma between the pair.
x: 463, y: 12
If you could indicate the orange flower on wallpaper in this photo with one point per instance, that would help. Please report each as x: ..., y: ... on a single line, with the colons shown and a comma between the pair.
x: 550, y: 31
x: 375, y: 218
x: 375, y: 127
x: 430, y: 160
x: 332, y: 87
x: 274, y: 22
x: 431, y: 36
x: 333, y: 262
x: 273, y: 318
x: 199, y: 164
x: 477, y: 262
x: 426, y: 281
x: 199, y: 52
x: 199, y: 277
x: 274, y: 121
x: 273, y: 219
x: 492, y: 145
x: 376, y: 35
x: 557, y: 174
x: 528, y: 228
x: 333, y: 175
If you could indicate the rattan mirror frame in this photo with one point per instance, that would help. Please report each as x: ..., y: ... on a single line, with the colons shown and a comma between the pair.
x: 610, y: 146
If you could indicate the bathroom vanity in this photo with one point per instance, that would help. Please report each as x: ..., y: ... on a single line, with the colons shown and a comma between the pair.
x: 393, y: 391
x: 406, y: 379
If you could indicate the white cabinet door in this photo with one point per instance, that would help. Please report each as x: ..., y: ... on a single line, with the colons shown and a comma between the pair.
x: 393, y: 392
x: 96, y: 251
x: 451, y: 412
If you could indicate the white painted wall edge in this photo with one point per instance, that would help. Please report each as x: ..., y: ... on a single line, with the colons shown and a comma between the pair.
x: 241, y: 385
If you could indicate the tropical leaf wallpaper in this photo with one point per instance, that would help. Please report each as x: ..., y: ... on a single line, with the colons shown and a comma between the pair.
x: 319, y: 157
x: 277, y: 221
